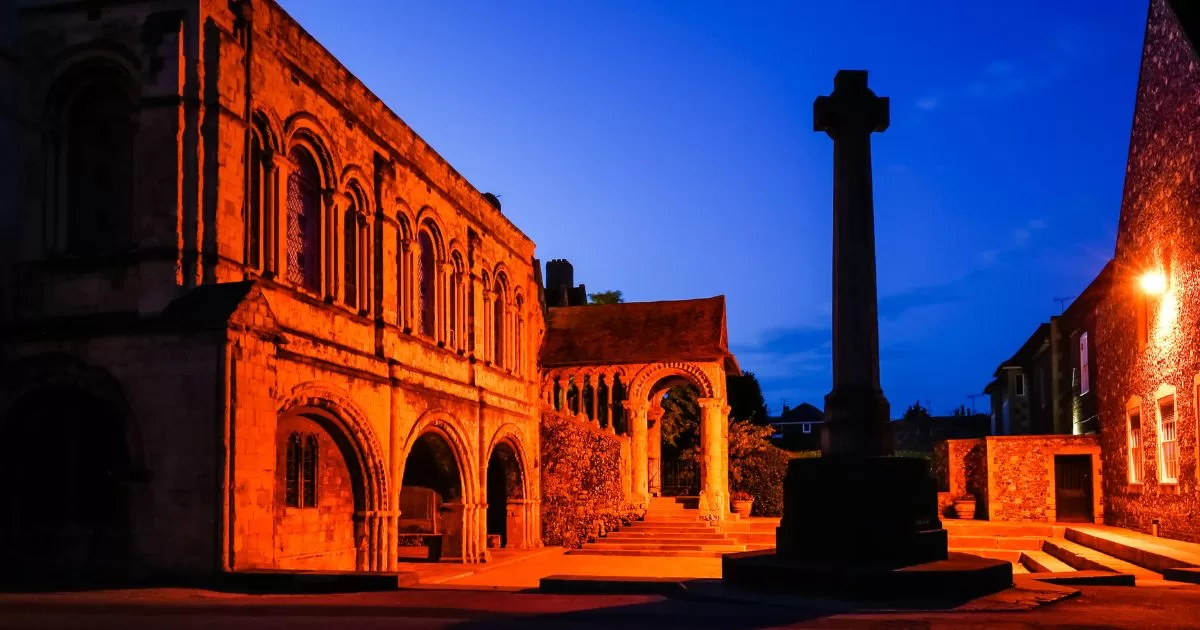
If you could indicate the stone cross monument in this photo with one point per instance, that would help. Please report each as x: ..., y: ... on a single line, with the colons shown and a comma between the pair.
x: 856, y: 412
x: 857, y: 520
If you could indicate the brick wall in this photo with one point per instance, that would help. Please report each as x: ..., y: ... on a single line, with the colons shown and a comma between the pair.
x: 1156, y: 232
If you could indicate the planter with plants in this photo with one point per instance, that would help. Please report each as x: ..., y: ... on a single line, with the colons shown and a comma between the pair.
x: 964, y: 507
x: 742, y: 503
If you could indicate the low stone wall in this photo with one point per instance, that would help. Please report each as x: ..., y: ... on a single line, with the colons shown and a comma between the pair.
x: 583, y: 491
x: 1011, y: 477
x: 1021, y: 475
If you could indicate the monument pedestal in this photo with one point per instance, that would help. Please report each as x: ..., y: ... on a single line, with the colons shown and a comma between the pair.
x: 863, y: 527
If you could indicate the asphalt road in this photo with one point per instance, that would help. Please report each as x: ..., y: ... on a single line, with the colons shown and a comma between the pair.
x: 1097, y: 607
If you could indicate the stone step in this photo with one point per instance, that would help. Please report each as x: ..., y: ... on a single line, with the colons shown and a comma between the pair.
x: 762, y: 538
x: 1086, y: 559
x: 1019, y: 570
x: 604, y: 551
x: 1143, y: 550
x: 1042, y: 562
x: 692, y: 523
x: 1008, y: 555
x: 659, y: 546
x: 1019, y: 543
x: 1002, y: 529
x: 755, y: 525
x: 617, y: 539
x: 684, y: 517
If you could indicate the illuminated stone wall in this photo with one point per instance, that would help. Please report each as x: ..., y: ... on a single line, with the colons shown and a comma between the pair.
x: 1157, y: 232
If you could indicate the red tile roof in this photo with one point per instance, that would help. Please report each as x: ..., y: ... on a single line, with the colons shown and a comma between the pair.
x: 637, y: 332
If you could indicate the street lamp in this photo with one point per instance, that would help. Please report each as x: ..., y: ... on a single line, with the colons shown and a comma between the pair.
x: 1153, y: 283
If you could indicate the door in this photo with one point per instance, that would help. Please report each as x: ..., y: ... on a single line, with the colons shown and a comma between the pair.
x: 1073, y: 488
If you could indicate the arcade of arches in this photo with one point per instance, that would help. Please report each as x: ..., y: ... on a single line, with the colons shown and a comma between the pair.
x: 284, y: 334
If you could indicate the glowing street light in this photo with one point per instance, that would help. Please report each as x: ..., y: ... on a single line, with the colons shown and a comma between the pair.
x: 1153, y: 282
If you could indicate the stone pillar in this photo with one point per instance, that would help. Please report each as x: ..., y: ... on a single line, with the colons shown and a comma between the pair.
x: 639, y: 456
x: 454, y: 534
x: 608, y: 407
x: 654, y: 463
x: 714, y: 475
x: 515, y: 519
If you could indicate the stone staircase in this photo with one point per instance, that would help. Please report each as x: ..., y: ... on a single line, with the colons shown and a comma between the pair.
x: 672, y: 528
x: 1079, y: 554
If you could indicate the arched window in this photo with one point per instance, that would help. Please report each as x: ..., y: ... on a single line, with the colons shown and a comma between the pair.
x: 260, y: 199
x: 519, y: 337
x: 304, y: 221
x: 456, y: 299
x: 403, y: 277
x: 300, y: 478
x: 427, y: 272
x: 498, y: 324
x: 350, y: 229
x: 95, y: 161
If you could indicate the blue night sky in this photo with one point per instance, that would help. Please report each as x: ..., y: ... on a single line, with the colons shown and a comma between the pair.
x: 666, y: 149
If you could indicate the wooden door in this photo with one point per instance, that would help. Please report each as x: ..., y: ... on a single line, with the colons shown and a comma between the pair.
x: 1073, y: 488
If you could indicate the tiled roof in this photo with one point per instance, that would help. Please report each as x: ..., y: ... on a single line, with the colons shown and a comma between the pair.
x: 637, y: 332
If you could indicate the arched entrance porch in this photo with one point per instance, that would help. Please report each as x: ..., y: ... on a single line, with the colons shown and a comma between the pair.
x: 510, y: 521
x: 436, y: 506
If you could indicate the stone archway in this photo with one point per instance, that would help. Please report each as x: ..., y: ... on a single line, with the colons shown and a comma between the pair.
x: 65, y: 519
x: 510, y: 514
x: 438, y: 503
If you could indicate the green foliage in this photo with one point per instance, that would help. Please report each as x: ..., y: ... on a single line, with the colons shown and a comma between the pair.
x: 606, y: 297
x: 757, y: 467
x: 680, y: 420
x: 746, y: 400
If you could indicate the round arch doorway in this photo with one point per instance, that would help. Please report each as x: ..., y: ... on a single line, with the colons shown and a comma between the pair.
x: 431, y: 498
x: 505, y: 499
x: 65, y: 520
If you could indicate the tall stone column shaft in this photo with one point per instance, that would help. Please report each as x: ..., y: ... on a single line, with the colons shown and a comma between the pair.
x: 856, y: 411
x: 640, y: 455
x: 714, y: 474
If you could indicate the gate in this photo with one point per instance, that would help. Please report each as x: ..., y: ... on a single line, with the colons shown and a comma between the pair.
x: 1073, y: 488
x: 680, y: 478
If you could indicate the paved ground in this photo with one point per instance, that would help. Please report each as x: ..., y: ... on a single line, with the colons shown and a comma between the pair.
x: 175, y: 609
x: 526, y: 572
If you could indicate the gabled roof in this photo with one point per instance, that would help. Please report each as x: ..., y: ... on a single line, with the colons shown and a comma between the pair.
x: 637, y: 332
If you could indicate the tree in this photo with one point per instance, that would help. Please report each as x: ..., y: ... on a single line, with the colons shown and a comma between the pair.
x: 606, y: 297
x: 680, y: 423
x: 916, y: 412
x: 963, y: 412
x: 746, y: 400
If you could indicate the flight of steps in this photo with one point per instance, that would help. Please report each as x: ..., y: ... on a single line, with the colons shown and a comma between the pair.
x: 1066, y: 553
x: 672, y: 528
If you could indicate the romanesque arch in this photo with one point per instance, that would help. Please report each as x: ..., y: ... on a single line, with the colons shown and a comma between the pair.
x: 509, y: 515
x: 650, y: 376
x: 70, y: 458
x: 439, y: 491
x: 324, y: 447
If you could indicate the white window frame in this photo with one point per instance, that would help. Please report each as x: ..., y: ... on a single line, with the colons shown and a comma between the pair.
x: 806, y: 428
x: 1166, y: 395
x: 1085, y: 380
x: 1133, y: 442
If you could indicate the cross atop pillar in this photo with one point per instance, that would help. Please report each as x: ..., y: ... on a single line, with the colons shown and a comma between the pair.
x: 856, y: 412
x: 852, y: 108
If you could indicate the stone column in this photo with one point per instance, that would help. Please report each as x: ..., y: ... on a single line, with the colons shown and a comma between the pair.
x: 714, y: 475
x: 654, y: 450
x: 639, y: 456
x: 856, y: 412
x: 454, y: 534
x: 608, y: 407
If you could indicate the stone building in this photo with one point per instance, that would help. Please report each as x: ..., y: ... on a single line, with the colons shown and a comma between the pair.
x: 1148, y: 341
x: 250, y: 320
x: 246, y: 307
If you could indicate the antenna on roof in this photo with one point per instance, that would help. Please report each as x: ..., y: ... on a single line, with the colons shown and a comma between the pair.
x: 1062, y: 303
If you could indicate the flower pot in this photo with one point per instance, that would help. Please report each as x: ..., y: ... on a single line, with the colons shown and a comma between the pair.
x: 742, y: 508
x: 964, y: 508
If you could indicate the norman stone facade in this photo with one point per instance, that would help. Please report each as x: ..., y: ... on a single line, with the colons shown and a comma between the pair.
x: 1149, y: 328
x: 247, y: 313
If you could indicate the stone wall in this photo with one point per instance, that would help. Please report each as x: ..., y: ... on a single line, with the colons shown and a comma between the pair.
x: 582, y: 488
x: 1020, y: 475
x: 1149, y: 346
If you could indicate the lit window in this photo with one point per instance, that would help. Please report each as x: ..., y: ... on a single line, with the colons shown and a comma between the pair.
x: 304, y: 221
x: 1084, y: 375
x: 350, y: 256
x: 806, y: 428
x: 1134, y: 429
x: 1168, y: 451
x: 426, y: 287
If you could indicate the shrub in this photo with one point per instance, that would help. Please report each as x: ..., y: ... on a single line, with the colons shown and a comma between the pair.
x: 756, y: 467
x: 582, y: 496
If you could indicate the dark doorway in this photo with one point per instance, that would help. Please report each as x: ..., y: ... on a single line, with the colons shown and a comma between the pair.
x: 1073, y: 488
x: 504, y: 486
x: 64, y: 518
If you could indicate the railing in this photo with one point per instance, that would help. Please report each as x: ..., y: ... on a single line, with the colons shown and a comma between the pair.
x: 680, y: 478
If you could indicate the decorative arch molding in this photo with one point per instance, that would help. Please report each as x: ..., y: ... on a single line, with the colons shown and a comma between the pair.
x: 269, y: 127
x: 72, y: 64
x: 335, y: 406
x: 648, y: 376
x: 510, y: 434
x: 404, y: 216
x: 443, y: 424
x: 352, y: 182
x: 305, y: 129
x: 44, y: 371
